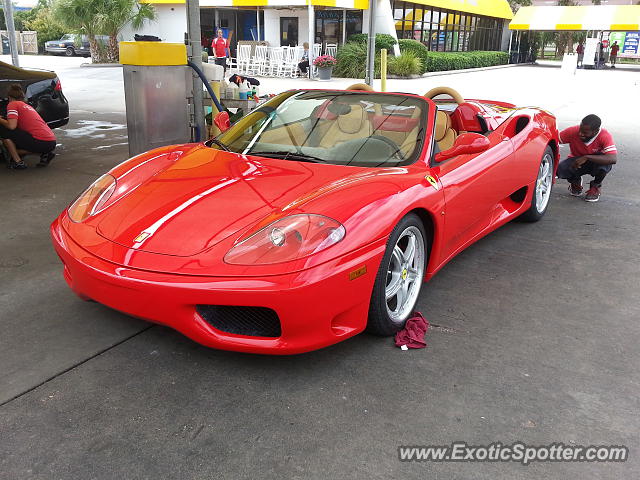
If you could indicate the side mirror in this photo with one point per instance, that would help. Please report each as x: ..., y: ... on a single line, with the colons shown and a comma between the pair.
x: 222, y: 121
x: 465, y: 144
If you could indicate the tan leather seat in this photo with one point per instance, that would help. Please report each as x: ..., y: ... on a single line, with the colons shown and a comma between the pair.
x: 351, y: 126
x: 445, y: 135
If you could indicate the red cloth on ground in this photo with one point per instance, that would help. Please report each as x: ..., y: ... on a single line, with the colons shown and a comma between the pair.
x: 412, y: 335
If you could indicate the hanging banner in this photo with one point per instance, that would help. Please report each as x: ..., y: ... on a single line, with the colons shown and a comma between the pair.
x: 630, y: 46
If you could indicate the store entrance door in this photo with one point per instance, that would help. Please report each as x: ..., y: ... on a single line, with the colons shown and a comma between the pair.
x: 288, y: 31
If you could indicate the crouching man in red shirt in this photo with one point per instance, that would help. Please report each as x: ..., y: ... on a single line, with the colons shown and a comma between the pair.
x: 24, y: 131
x: 592, y: 153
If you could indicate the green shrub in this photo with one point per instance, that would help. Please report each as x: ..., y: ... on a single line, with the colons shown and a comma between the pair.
x: 418, y: 49
x: 352, y: 61
x: 383, y: 40
x: 441, y: 61
x: 404, y: 65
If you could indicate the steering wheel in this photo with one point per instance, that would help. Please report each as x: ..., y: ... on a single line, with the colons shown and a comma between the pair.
x: 394, y: 146
x: 434, y: 92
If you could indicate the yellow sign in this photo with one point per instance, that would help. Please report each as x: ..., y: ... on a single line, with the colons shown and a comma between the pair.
x: 358, y: 273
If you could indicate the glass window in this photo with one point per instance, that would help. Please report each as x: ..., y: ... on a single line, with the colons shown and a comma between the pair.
x: 340, y: 128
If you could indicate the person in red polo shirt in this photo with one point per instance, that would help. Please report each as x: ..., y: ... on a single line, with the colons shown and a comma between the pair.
x: 220, y: 46
x: 613, y: 54
x: 24, y: 131
x: 593, y: 152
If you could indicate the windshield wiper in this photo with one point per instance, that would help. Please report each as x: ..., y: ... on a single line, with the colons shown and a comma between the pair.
x: 300, y: 157
x: 220, y: 144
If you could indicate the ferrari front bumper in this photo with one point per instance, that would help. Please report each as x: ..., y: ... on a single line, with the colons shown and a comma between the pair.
x: 316, y: 307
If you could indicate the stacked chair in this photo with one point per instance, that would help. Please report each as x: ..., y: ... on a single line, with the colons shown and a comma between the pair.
x: 260, y: 60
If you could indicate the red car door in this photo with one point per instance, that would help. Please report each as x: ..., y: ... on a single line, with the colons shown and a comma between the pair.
x: 473, y: 185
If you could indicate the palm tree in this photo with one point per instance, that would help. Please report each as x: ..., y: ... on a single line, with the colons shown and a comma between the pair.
x: 102, y: 17
x: 113, y: 15
x: 79, y: 16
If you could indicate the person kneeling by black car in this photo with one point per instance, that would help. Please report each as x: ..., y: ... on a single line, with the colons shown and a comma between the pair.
x: 25, y: 132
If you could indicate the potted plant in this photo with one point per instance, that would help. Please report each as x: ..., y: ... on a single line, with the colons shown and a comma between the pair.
x: 324, y: 64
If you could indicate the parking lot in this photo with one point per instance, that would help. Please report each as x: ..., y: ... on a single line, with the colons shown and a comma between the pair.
x: 534, y: 332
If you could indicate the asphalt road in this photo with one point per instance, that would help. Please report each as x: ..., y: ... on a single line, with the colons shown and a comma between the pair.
x: 535, y: 334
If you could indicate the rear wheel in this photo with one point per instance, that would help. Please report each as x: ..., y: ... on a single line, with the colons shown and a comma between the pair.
x: 542, y: 189
x: 70, y: 52
x: 399, y: 279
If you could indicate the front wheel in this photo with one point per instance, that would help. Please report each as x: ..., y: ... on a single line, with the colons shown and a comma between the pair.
x: 542, y: 192
x: 69, y: 52
x: 399, y: 279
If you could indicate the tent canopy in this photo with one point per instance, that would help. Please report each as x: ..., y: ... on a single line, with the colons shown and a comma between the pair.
x: 592, y: 17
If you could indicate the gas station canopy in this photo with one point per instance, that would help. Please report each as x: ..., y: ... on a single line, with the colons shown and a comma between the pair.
x: 592, y: 17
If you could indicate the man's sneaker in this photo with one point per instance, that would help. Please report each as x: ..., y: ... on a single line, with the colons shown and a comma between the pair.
x: 17, y: 165
x: 575, y: 189
x: 593, y: 194
x: 45, y: 159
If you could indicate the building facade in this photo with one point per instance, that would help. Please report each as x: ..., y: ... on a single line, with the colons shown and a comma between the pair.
x: 442, y: 25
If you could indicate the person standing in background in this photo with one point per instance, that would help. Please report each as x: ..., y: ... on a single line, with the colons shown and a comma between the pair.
x: 580, y: 52
x: 220, y: 47
x: 613, y: 55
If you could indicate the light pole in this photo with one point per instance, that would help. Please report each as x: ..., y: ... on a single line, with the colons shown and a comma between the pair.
x: 371, y: 44
x: 11, y: 31
x: 194, y: 49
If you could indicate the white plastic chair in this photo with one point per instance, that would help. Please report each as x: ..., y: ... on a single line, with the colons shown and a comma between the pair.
x: 258, y: 63
x: 331, y: 49
x: 275, y: 61
x: 317, y: 51
x: 244, y: 58
x: 290, y: 62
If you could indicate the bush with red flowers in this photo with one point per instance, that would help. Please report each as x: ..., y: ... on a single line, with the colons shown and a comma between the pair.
x: 325, y: 61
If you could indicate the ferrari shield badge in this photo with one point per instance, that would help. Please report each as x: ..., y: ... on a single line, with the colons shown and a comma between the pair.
x: 432, y: 181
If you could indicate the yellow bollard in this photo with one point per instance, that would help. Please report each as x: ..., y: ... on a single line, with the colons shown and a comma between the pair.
x: 213, y: 130
x: 383, y: 70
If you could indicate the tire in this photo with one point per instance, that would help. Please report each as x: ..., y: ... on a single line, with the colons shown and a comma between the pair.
x: 542, y: 193
x: 69, y: 52
x: 401, y: 272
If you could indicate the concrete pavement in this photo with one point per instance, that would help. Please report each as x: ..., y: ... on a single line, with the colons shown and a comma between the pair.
x: 535, y: 334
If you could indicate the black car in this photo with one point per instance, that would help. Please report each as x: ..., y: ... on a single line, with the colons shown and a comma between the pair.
x: 42, y: 91
x: 71, y: 45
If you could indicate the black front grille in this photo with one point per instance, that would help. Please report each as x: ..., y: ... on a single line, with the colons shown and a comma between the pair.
x: 253, y: 321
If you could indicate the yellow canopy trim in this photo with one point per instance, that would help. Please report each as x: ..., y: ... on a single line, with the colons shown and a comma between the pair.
x: 590, y: 17
x: 489, y: 8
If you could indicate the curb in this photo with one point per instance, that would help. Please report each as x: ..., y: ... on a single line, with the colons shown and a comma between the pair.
x: 467, y: 70
x: 100, y: 65
x: 452, y: 72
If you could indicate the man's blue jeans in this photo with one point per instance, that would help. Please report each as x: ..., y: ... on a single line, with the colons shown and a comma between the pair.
x: 573, y: 175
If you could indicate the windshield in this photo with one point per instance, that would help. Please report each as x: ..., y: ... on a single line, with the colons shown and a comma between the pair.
x: 340, y: 128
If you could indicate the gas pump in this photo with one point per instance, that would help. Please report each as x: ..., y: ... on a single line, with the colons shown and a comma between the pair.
x: 159, y: 88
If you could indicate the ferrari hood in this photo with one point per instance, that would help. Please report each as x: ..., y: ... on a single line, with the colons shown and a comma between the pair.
x: 201, y: 196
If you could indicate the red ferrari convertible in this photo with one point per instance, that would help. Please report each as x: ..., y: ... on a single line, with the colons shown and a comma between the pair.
x: 315, y: 217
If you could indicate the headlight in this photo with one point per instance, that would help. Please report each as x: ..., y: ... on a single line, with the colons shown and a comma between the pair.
x: 93, y: 199
x: 289, y: 238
